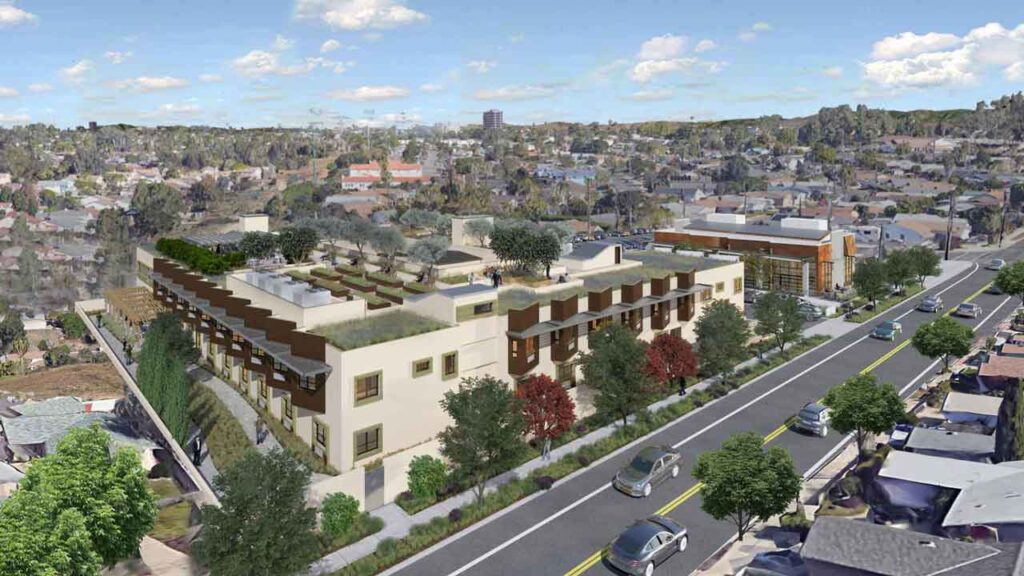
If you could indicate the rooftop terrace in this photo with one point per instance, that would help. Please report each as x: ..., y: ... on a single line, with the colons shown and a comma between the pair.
x: 377, y: 329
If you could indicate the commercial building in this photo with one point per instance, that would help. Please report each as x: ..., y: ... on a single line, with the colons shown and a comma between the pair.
x: 356, y: 367
x: 798, y: 255
x: 493, y: 120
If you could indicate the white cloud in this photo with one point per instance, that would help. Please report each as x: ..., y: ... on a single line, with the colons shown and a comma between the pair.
x: 705, y: 46
x: 210, y: 78
x: 116, y: 57
x: 909, y: 44
x: 747, y: 36
x: 515, y: 92
x: 339, y: 67
x: 281, y: 43
x: 358, y: 14
x: 750, y: 34
x: 934, y: 59
x: 603, y: 72
x: 40, y: 87
x: 75, y: 74
x: 651, y: 95
x: 13, y: 119
x: 661, y: 47
x: 481, y: 66
x: 11, y: 15
x: 149, y: 83
x: 431, y: 88
x: 761, y: 27
x: 369, y: 93
x: 184, y: 110
x: 647, y: 70
x: 6, y: 92
x: 834, y: 72
x: 329, y: 46
x: 259, y: 63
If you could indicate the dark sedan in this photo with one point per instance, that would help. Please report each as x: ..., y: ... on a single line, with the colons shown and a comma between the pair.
x: 647, y: 544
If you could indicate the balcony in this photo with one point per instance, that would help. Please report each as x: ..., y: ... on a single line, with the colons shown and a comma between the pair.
x: 522, y: 355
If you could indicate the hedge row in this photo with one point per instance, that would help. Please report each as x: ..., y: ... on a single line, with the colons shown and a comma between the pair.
x: 198, y: 258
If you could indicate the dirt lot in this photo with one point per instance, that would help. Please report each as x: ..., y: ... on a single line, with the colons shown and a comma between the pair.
x: 86, y: 381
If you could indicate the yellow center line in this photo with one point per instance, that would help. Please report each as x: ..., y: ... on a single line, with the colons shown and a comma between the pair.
x: 693, y: 490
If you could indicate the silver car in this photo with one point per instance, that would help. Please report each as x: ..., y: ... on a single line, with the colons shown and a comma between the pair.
x: 651, y: 466
x: 996, y: 264
x: 813, y: 418
x: 968, y: 310
x: 646, y: 544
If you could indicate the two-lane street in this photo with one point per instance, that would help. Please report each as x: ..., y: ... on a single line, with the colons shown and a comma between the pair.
x: 563, y: 531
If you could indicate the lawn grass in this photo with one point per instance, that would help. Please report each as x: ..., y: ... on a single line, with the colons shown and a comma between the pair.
x: 383, y: 327
x: 171, y: 521
x: 223, y: 434
x: 295, y: 446
x: 164, y: 488
x: 455, y: 279
x: 885, y: 304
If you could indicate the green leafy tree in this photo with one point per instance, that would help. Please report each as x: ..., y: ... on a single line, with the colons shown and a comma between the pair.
x: 11, y: 328
x: 388, y: 242
x: 263, y: 526
x: 157, y: 208
x: 944, y: 338
x: 359, y: 232
x: 778, y: 317
x: 427, y: 476
x: 480, y: 230
x: 429, y: 251
x: 296, y: 242
x: 524, y: 246
x: 900, y: 269
x: 338, y: 514
x: 722, y: 335
x: 258, y: 245
x: 1010, y: 424
x: 924, y: 262
x: 871, y: 280
x: 1011, y: 280
x: 485, y: 437
x: 72, y: 325
x: 614, y: 368
x: 744, y: 482
x: 862, y: 406
x: 37, y: 539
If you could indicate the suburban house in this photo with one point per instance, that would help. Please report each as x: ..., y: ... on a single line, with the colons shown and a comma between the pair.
x: 914, y: 229
x: 959, y: 407
x: 950, y: 444
x: 1001, y: 369
x: 372, y: 175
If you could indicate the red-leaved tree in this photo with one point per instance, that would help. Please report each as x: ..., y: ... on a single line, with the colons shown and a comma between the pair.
x: 670, y: 358
x: 547, y: 408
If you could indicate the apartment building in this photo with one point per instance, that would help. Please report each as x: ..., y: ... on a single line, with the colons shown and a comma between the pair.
x: 361, y: 383
x: 366, y: 176
x: 493, y: 119
x: 798, y: 255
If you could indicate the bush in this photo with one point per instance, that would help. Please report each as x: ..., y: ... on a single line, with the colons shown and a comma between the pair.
x: 544, y: 482
x: 338, y: 513
x: 198, y: 258
x: 795, y: 520
x: 583, y: 460
x: 427, y: 476
x: 455, y: 515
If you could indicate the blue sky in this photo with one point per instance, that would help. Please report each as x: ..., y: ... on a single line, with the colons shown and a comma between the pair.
x: 262, y: 62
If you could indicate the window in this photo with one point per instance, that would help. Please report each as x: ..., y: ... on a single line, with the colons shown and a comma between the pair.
x: 309, y: 383
x: 450, y: 365
x: 705, y: 295
x: 485, y: 308
x: 264, y: 394
x: 737, y: 285
x: 368, y: 388
x: 245, y: 375
x: 422, y: 367
x: 719, y: 287
x: 287, y: 411
x: 321, y: 438
x: 368, y: 441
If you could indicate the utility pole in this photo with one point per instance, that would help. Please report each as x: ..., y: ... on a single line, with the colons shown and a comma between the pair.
x: 1002, y: 218
x: 949, y: 223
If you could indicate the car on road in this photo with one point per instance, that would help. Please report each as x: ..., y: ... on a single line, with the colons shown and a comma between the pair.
x: 996, y: 264
x: 813, y: 418
x: 646, y: 544
x: 887, y: 330
x: 931, y: 304
x: 993, y: 289
x: 968, y: 310
x: 650, y: 467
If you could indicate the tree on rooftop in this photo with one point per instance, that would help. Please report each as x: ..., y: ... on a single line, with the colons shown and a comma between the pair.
x: 669, y: 358
x: 419, y: 218
x: 485, y: 437
x: 330, y: 229
x: 359, y: 232
x: 923, y: 262
x: 547, y: 408
x: 524, y: 246
x: 744, y: 482
x: 944, y: 338
x: 296, y: 242
x: 258, y: 245
x: 863, y: 406
x: 429, y: 251
x: 870, y: 279
x: 722, y: 335
x: 263, y: 526
x: 388, y: 242
x: 157, y: 208
x: 1011, y: 280
x: 614, y: 368
x: 480, y: 229
x: 778, y: 317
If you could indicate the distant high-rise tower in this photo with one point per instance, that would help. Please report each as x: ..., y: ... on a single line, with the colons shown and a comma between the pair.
x: 493, y: 120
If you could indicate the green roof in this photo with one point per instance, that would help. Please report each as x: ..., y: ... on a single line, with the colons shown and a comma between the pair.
x: 377, y: 329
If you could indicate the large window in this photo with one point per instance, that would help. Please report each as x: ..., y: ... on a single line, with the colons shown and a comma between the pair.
x: 368, y: 388
x: 287, y: 411
x: 788, y: 275
x: 450, y: 365
x: 485, y: 308
x: 368, y: 441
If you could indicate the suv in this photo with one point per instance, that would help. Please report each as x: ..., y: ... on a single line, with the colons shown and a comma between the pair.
x: 813, y: 418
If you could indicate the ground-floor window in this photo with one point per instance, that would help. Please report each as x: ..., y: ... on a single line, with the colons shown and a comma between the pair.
x: 368, y: 441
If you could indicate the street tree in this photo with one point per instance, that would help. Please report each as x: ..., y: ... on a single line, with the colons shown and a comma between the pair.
x: 722, y: 335
x: 944, y: 338
x: 157, y: 208
x: 871, y: 280
x: 1011, y: 280
x: 258, y: 245
x: 547, y: 409
x: 862, y: 406
x: 669, y: 359
x: 900, y: 269
x: 778, y: 317
x: 924, y: 262
x: 388, y: 242
x: 485, y: 436
x: 29, y: 270
x: 480, y: 230
x: 745, y: 483
x: 263, y: 526
x: 296, y: 242
x: 429, y: 251
x: 614, y: 368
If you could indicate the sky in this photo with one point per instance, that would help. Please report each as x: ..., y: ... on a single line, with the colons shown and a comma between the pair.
x: 247, y: 63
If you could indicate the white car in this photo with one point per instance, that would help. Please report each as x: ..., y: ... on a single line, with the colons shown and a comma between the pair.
x: 996, y: 264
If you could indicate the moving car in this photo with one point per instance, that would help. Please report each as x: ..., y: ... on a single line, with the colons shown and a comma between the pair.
x: 968, y: 310
x: 813, y: 418
x: 993, y: 289
x: 931, y: 304
x: 646, y: 544
x: 996, y: 264
x: 651, y: 466
x: 887, y: 330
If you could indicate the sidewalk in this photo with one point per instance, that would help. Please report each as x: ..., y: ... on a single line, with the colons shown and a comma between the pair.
x: 238, y: 406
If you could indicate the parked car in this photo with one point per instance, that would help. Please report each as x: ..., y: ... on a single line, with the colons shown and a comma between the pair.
x: 813, y: 418
x: 650, y: 467
x: 647, y: 544
x: 752, y: 296
x: 996, y: 264
x: 810, y: 311
x: 776, y: 563
x: 968, y: 310
x: 899, y: 435
x: 887, y: 330
x: 931, y: 304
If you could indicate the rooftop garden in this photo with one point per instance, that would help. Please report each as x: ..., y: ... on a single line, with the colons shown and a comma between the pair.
x: 518, y: 298
x: 198, y: 258
x: 377, y: 329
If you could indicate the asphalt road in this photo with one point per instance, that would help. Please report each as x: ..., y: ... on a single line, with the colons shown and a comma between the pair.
x: 562, y: 531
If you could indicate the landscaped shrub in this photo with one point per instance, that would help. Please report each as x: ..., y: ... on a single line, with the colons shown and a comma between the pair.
x: 338, y: 513
x: 455, y: 515
x: 583, y: 459
x: 198, y: 258
x: 544, y: 482
x: 427, y: 476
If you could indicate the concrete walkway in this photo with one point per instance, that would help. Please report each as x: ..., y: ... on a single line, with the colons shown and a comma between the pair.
x: 238, y: 406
